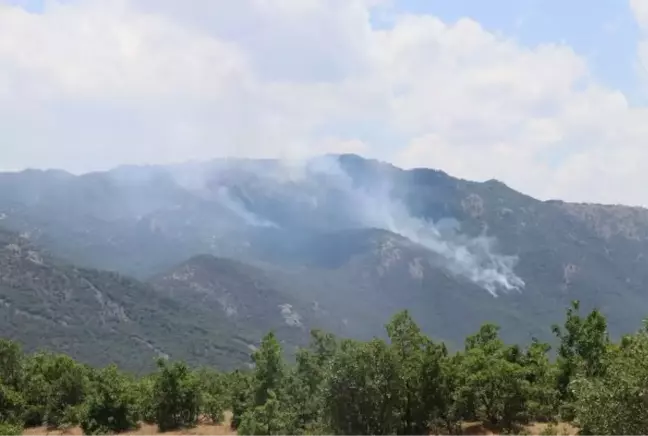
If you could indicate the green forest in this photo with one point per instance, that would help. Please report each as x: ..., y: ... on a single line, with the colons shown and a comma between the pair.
x: 407, y: 384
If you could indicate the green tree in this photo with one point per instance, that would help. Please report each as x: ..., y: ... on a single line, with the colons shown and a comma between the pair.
x: 239, y: 385
x: 270, y: 418
x: 214, y: 394
x: 145, y: 398
x: 494, y: 383
x: 176, y: 396
x: 11, y: 364
x: 12, y: 401
x: 10, y: 429
x: 362, y: 394
x: 617, y: 401
x: 269, y: 369
x: 111, y: 406
x: 439, y: 387
x: 55, y: 389
x: 408, y: 345
x: 543, y: 398
x: 583, y: 344
x: 304, y: 383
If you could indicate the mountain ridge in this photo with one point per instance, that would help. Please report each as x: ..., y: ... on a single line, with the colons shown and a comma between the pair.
x: 346, y: 232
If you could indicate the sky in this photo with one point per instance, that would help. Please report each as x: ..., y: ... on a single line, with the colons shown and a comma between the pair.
x: 548, y: 96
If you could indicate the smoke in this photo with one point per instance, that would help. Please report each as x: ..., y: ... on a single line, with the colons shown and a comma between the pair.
x: 474, y: 258
x: 250, y: 218
x: 369, y: 205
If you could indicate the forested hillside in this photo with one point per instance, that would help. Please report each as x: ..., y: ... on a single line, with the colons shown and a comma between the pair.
x: 330, y: 234
x: 100, y: 317
x: 405, y: 385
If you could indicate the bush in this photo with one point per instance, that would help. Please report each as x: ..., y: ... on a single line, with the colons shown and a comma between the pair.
x: 144, y: 389
x: 214, y: 394
x: 214, y: 407
x: 112, y: 404
x: 176, y: 396
x: 10, y: 429
x: 55, y: 389
x: 268, y: 419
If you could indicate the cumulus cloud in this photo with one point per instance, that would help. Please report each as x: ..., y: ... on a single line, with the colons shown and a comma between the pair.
x: 90, y: 84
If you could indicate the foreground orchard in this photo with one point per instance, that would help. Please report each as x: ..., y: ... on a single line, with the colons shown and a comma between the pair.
x: 407, y: 385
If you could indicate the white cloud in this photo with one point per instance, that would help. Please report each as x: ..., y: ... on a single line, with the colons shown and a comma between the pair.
x: 640, y: 10
x: 91, y: 84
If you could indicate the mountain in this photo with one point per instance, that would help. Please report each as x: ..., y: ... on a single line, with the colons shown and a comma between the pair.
x: 356, y: 238
x: 244, y: 301
x: 101, y: 317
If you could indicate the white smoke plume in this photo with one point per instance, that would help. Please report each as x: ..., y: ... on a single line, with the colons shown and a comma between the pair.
x: 250, y: 218
x: 473, y: 258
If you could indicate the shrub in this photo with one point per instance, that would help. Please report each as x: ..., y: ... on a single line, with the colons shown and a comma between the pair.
x: 112, y: 405
x: 176, y: 396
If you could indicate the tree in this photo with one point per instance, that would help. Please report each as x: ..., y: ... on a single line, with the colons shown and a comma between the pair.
x: 55, y: 389
x: 10, y: 429
x: 12, y: 401
x: 176, y: 396
x: 269, y: 370
x: 362, y: 394
x: 583, y: 344
x: 145, y: 398
x: 543, y: 398
x: 615, y: 402
x: 11, y: 364
x: 439, y: 388
x: 270, y: 418
x: 111, y: 406
x: 239, y: 385
x: 304, y: 382
x: 214, y: 394
x: 408, y: 345
x: 493, y: 382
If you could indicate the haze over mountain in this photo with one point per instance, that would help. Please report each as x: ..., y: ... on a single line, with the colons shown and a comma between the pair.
x: 336, y: 242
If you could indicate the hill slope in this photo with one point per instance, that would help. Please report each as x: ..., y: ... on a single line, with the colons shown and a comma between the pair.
x: 358, y: 237
x: 101, y: 317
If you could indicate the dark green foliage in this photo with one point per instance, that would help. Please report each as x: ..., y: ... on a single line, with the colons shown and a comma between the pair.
x: 176, y: 396
x: 145, y: 397
x: 56, y: 388
x: 239, y: 386
x: 583, y: 347
x: 493, y: 381
x: 111, y: 406
x: 270, y: 418
x: 214, y: 394
x: 269, y: 371
x: 306, y: 381
x: 10, y: 429
x: 617, y: 401
x: 407, y: 385
x: 363, y: 394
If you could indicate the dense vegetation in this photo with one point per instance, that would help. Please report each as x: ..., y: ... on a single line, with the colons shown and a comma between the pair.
x: 407, y: 385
